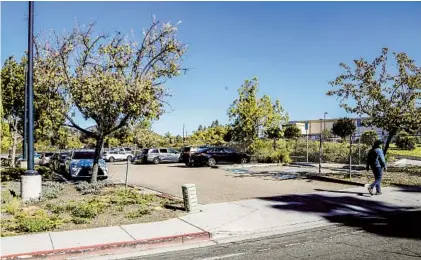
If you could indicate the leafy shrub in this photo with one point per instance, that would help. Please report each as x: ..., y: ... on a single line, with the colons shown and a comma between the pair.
x: 78, y: 221
x: 38, y: 221
x: 56, y: 207
x: 262, y: 150
x: 6, y: 195
x: 405, y: 142
x: 51, y: 190
x: 332, y: 152
x: 139, y: 212
x: 86, y: 209
x: 11, y: 174
x: 130, y: 196
x: 13, y: 206
x: 92, y: 188
x: 369, y: 137
x: 14, y: 174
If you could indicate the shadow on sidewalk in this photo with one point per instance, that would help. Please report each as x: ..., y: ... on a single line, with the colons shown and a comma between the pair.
x: 346, y: 192
x: 371, y: 216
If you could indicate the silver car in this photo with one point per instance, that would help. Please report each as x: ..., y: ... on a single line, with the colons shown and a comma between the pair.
x: 158, y: 155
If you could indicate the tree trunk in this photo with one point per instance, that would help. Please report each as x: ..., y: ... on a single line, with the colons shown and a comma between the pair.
x: 274, y: 144
x: 15, y: 142
x: 388, y: 140
x: 98, y: 148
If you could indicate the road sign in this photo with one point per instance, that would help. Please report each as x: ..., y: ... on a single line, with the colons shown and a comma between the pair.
x: 306, y: 126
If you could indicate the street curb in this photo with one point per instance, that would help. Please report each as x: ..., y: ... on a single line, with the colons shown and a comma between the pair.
x: 328, y: 179
x: 146, y: 243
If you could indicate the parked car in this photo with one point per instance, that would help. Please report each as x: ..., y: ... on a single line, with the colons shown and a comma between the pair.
x: 79, y: 164
x: 215, y: 155
x: 157, y: 155
x: 117, y: 155
x: 45, y: 158
x: 57, y: 161
x: 187, y: 151
x: 37, y: 158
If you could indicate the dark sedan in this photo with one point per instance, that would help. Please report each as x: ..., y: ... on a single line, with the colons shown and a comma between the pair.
x: 215, y: 155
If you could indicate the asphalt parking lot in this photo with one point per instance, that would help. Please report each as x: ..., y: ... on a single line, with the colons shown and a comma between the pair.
x: 213, y: 185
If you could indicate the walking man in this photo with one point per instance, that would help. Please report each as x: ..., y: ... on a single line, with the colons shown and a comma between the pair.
x: 377, y: 162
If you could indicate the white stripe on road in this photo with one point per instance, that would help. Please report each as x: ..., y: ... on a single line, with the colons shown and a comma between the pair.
x: 222, y: 256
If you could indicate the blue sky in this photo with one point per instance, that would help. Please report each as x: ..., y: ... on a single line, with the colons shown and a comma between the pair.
x: 294, y: 48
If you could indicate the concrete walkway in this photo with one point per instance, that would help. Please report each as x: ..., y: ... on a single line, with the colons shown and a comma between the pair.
x: 230, y: 221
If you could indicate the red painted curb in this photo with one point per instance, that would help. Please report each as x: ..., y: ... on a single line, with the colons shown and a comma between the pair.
x: 185, y: 238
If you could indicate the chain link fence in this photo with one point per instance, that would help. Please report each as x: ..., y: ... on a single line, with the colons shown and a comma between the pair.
x: 337, y: 150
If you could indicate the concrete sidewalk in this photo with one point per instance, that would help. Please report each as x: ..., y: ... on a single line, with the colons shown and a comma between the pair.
x: 225, y: 222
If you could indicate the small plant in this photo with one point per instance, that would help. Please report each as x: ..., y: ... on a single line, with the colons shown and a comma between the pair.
x: 13, y: 206
x: 78, y: 220
x: 86, y: 209
x: 6, y: 195
x: 51, y: 190
x: 56, y: 208
x: 129, y: 197
x: 92, y: 188
x: 38, y: 221
x: 143, y: 210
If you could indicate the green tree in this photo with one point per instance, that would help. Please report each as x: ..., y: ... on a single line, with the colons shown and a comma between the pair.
x: 215, y: 123
x: 343, y: 127
x: 249, y: 114
x: 110, y: 79
x: 391, y: 101
x: 369, y: 137
x: 274, y: 133
x: 292, y: 132
x: 48, y: 107
x: 200, y: 128
x: 405, y: 141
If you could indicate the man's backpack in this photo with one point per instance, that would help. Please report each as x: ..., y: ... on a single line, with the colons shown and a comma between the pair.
x: 372, y: 156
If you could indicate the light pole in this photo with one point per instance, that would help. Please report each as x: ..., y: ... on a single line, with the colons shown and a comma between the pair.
x: 324, y: 120
x: 320, y: 148
x: 30, y: 180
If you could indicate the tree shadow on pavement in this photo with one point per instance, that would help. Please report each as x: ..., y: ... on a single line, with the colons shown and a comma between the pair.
x: 371, y: 216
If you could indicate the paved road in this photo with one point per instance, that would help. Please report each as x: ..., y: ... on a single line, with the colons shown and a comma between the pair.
x: 213, y: 185
x: 334, y: 242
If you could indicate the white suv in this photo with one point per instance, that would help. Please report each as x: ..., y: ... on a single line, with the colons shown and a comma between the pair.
x: 112, y: 156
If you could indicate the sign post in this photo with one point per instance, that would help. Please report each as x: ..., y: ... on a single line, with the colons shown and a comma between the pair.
x: 359, y: 140
x: 306, y: 127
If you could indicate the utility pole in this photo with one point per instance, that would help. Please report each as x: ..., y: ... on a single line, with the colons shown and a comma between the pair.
x: 30, y: 180
x: 320, y: 148
x: 25, y: 118
x: 183, y: 133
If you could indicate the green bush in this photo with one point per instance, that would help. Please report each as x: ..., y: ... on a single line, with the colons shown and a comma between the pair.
x: 38, y: 221
x: 369, y: 137
x: 130, y: 196
x: 51, y: 190
x: 13, y: 206
x: 88, y: 209
x: 92, y: 188
x: 14, y: 174
x: 11, y: 174
x: 139, y: 212
x: 262, y: 150
x: 332, y: 152
x: 405, y: 142
x: 78, y: 221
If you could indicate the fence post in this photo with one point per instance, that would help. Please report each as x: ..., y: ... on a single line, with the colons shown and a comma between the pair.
x: 350, y: 155
x: 127, y: 173
x: 307, y: 145
x: 320, y: 154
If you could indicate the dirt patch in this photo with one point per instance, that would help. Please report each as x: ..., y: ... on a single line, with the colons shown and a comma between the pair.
x: 67, y: 209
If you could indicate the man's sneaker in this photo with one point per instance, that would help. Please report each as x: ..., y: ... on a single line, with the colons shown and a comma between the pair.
x: 379, y: 193
x: 370, y: 190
